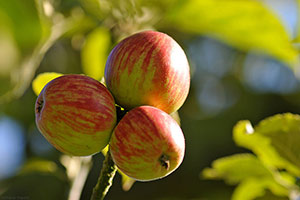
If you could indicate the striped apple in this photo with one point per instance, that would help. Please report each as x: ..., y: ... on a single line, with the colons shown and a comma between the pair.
x: 76, y: 114
x: 147, y: 144
x: 148, y: 68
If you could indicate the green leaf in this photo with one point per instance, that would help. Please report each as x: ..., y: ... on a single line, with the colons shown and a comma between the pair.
x: 270, y: 196
x: 257, y: 187
x: 283, y: 130
x: 245, y: 24
x: 94, y: 52
x: 236, y: 168
x: 245, y: 136
x: 42, y: 79
x: 38, y: 165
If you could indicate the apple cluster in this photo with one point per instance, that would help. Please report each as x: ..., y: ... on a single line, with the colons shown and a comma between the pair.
x: 147, y: 75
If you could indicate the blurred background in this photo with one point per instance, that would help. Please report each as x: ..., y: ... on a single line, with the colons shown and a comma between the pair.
x: 244, y: 65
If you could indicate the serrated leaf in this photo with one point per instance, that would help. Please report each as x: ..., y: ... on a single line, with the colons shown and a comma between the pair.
x: 94, y: 53
x: 127, y: 182
x: 42, y: 79
x: 245, y: 136
x: 261, y: 146
x: 283, y: 130
x: 247, y: 25
x: 236, y: 168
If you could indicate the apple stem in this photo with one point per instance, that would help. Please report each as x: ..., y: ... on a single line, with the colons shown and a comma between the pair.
x: 105, y: 179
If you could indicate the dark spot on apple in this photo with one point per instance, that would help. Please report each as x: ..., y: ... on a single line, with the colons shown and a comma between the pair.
x: 164, y: 161
x: 39, y: 106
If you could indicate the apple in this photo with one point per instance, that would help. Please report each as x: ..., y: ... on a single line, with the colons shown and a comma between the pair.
x: 76, y: 114
x: 148, y: 68
x: 147, y: 144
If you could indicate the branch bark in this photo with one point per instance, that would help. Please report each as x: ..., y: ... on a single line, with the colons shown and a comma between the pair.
x: 105, y: 179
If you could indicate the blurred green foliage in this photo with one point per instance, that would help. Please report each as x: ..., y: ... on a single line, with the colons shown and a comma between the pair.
x: 95, y: 52
x: 220, y: 37
x: 248, y: 25
x: 34, y: 179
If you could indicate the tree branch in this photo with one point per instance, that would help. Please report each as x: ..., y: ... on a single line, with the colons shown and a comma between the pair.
x: 107, y: 174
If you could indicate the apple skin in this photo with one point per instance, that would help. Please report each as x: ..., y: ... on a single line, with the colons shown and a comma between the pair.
x: 76, y: 114
x: 148, y: 68
x: 147, y: 144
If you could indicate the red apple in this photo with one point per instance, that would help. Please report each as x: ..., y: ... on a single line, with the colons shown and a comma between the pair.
x: 148, y: 68
x: 147, y: 144
x: 76, y: 114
